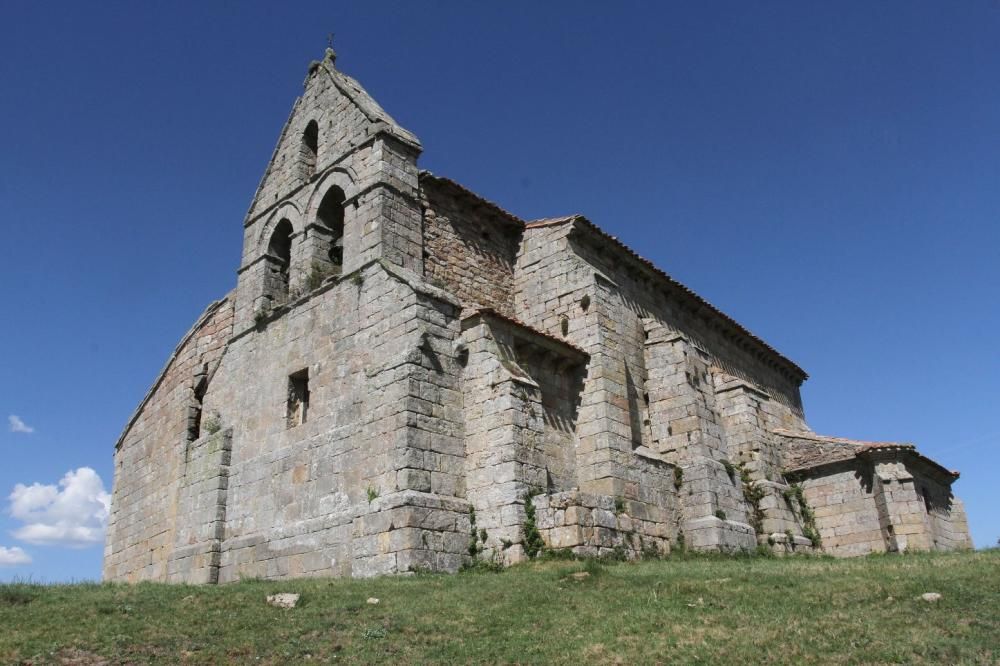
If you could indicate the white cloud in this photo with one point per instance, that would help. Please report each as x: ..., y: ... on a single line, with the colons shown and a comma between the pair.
x: 73, y: 516
x: 11, y: 557
x: 17, y: 425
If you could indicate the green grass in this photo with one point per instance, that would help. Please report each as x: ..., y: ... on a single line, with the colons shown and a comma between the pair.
x: 705, y: 610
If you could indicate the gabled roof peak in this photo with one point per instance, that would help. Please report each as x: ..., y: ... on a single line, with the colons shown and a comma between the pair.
x: 353, y: 90
x: 329, y: 59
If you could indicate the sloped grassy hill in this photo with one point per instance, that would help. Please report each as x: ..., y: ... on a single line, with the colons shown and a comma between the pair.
x: 677, y: 610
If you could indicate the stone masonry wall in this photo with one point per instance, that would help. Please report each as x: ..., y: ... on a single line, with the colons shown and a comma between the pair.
x: 712, y: 426
x: 290, y: 507
x: 150, y: 457
x: 947, y: 524
x: 201, y: 506
x: 521, y: 395
x: 555, y: 272
x: 301, y: 498
x: 362, y: 152
x: 599, y: 526
x: 519, y: 425
x: 564, y: 292
x: 653, y: 300
x: 371, y: 482
x: 470, y: 246
x: 746, y: 416
x: 917, y: 508
x: 562, y: 297
x: 872, y: 497
x: 347, y: 120
x: 843, y: 500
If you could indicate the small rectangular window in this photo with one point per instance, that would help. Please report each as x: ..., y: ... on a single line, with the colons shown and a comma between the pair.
x: 298, y: 398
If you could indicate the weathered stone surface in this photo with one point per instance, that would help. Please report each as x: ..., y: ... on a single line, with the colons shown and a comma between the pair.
x: 283, y: 600
x: 407, y: 376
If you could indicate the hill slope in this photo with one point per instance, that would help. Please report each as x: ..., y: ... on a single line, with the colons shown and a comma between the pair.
x: 716, y: 610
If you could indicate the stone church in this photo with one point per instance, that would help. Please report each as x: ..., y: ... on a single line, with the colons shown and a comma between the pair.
x: 408, y: 377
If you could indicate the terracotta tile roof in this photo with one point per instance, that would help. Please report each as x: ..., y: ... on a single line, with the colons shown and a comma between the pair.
x: 490, y: 312
x: 861, y: 443
x: 910, y: 450
x: 821, y: 450
x: 806, y: 450
x: 550, y: 221
x: 782, y: 360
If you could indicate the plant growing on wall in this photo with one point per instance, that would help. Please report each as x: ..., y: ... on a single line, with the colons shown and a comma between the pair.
x: 477, y: 544
x: 730, y: 469
x: 212, y: 424
x: 533, y: 543
x: 809, y: 530
x: 317, y: 274
x: 753, y: 495
x: 473, y: 534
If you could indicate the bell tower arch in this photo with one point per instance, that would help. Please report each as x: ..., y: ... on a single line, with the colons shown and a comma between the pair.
x: 352, y: 172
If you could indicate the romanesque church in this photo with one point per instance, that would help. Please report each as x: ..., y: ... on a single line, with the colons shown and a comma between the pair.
x: 408, y: 377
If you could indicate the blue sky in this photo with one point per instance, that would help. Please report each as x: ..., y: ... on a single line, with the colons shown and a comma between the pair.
x: 826, y: 173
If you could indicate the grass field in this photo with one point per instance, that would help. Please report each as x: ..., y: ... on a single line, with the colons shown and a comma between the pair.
x: 679, y: 610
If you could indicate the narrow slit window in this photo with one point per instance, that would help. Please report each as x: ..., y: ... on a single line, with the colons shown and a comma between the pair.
x: 310, y: 149
x: 194, y: 410
x: 298, y: 398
